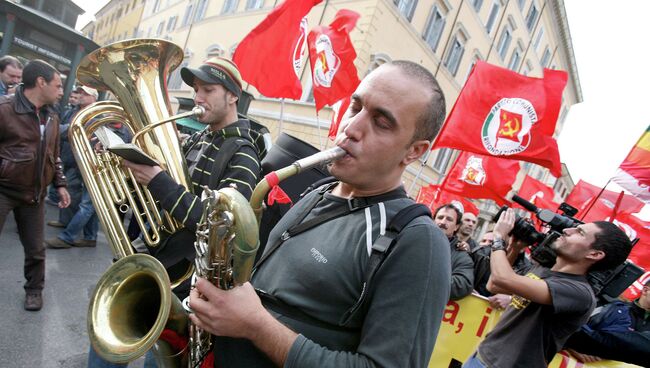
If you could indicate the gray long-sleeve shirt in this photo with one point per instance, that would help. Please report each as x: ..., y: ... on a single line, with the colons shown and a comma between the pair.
x: 321, y: 272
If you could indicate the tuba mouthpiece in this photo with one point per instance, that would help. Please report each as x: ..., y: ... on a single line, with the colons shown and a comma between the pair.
x: 198, y: 110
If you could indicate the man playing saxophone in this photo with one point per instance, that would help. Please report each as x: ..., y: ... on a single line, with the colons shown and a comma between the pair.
x: 217, y: 85
x: 307, y: 304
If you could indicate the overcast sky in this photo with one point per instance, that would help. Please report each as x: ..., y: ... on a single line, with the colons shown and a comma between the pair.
x: 612, y: 54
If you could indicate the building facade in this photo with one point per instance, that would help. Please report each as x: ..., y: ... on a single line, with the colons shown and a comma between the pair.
x: 117, y: 20
x: 445, y: 36
x: 38, y: 29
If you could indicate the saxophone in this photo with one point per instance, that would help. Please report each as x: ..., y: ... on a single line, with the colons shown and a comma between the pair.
x: 227, y: 239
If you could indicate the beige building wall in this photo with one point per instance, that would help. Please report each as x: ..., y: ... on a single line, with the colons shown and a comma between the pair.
x: 117, y: 20
x: 446, y: 36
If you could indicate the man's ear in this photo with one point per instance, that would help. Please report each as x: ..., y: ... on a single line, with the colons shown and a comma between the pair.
x: 416, y: 150
x: 40, y: 82
x: 232, y: 98
x: 596, y: 255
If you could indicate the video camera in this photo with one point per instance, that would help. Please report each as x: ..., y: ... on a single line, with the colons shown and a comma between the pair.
x: 607, y: 284
x: 539, y: 243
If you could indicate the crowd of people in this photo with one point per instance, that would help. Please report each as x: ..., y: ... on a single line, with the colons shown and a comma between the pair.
x: 337, y: 284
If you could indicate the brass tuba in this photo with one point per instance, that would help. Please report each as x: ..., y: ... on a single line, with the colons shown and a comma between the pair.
x: 132, y: 306
x: 135, y: 71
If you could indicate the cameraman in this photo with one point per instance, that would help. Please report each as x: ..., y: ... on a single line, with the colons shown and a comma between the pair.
x: 547, y: 304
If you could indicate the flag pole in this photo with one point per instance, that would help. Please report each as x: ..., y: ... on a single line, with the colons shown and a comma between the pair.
x: 423, y: 162
x: 591, y: 204
x: 320, y: 139
x: 616, y: 206
x: 281, y: 115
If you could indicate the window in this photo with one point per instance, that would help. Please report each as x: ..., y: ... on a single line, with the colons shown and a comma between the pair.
x: 538, y: 39
x: 376, y: 60
x: 531, y: 18
x: 135, y: 32
x: 215, y: 50
x: 175, y: 81
x: 455, y: 55
x: 515, y: 60
x: 161, y: 26
x: 504, y: 43
x: 171, y: 24
x: 546, y: 57
x: 494, y: 11
x: 200, y: 10
x: 442, y: 160
x: 521, y: 4
x: 471, y: 66
x: 156, y: 7
x: 188, y: 15
x: 406, y: 7
x: 433, y: 29
x: 232, y: 49
x: 254, y: 4
x: 476, y: 4
x: 229, y: 6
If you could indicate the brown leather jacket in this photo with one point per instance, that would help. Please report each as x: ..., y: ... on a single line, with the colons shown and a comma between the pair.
x: 28, y: 164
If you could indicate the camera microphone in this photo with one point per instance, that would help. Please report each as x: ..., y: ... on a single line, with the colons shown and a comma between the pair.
x: 524, y: 203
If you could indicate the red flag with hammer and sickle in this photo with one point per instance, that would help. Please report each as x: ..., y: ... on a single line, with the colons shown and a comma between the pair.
x: 478, y: 176
x: 509, y: 115
x: 331, y: 56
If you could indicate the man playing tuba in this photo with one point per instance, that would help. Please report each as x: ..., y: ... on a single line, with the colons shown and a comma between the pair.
x: 217, y: 85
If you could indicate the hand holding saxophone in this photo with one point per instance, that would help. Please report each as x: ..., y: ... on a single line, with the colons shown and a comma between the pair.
x: 142, y: 173
x: 235, y: 312
x: 239, y: 313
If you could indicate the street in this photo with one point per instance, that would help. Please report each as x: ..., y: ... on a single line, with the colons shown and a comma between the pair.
x: 55, y: 336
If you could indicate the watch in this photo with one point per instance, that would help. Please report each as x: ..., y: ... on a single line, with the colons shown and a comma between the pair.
x: 498, y: 244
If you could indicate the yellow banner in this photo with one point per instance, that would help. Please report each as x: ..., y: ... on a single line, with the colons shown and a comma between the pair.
x: 464, y: 325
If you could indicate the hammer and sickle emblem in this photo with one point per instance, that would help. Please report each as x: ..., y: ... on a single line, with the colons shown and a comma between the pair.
x: 511, y: 130
x: 323, y: 60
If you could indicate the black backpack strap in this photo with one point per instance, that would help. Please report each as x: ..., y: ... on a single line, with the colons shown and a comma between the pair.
x: 381, y: 248
x: 319, y: 183
x: 354, y: 204
x: 227, y: 150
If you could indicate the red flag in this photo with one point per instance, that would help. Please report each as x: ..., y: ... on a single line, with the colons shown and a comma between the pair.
x: 502, y: 113
x: 584, y: 193
x: 634, y: 291
x: 538, y: 193
x: 435, y: 197
x: 270, y: 56
x: 332, y: 55
x: 634, y: 227
x: 634, y: 173
x: 339, y: 110
x: 478, y: 176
